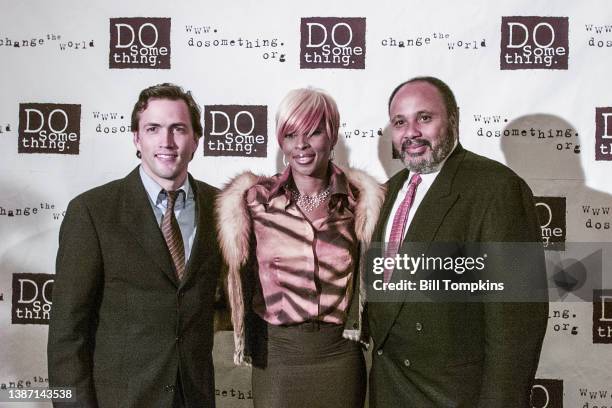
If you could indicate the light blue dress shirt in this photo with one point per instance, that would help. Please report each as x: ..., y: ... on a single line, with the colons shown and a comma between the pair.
x: 184, y: 208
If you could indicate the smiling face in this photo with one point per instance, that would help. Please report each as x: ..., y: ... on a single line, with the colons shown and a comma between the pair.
x: 308, y: 155
x: 307, y: 125
x: 166, y: 141
x: 420, y: 127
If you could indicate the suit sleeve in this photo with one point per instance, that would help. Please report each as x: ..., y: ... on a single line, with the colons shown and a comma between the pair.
x: 223, y: 320
x: 514, y: 330
x: 74, y: 314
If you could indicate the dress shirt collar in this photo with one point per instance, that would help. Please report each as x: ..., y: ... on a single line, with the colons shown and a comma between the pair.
x: 154, y: 190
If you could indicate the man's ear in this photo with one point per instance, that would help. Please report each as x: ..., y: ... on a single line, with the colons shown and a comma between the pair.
x: 453, y: 124
x: 136, y: 140
x: 197, y: 143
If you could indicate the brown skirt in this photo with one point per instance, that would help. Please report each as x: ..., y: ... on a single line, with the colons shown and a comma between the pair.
x: 309, y: 365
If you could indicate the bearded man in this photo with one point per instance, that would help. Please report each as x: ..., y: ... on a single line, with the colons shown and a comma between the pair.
x: 437, y: 351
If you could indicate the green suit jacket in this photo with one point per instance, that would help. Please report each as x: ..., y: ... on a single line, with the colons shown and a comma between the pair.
x: 122, y: 327
x: 461, y: 354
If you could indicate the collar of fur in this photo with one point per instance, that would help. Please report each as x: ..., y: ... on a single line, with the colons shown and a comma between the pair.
x: 234, y: 224
x: 234, y: 229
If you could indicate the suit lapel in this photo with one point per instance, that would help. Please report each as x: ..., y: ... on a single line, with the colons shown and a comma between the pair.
x: 427, y: 220
x: 137, y: 216
x: 435, y: 205
x: 201, y: 248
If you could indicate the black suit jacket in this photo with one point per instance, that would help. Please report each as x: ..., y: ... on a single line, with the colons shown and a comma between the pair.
x: 122, y: 326
x: 462, y: 354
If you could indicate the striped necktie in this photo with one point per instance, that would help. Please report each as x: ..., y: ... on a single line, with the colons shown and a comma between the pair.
x: 399, y: 223
x: 172, y: 235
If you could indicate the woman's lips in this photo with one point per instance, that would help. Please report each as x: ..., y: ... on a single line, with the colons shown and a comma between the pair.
x: 304, y: 158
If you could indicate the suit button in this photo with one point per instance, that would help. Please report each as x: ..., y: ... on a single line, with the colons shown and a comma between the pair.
x: 355, y: 325
x: 177, y: 339
x: 169, y: 388
x: 419, y: 326
x: 407, y: 363
x: 379, y: 352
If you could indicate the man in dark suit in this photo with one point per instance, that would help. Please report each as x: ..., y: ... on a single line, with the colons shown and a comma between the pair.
x: 450, y: 353
x: 136, y: 274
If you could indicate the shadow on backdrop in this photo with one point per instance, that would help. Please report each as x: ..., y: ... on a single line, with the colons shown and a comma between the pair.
x: 386, y: 155
x: 545, y: 150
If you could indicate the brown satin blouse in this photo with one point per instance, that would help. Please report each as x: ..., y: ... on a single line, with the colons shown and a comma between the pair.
x: 305, y: 269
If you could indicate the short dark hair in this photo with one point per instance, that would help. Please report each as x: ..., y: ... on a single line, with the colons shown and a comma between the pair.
x: 172, y: 92
x: 450, y: 103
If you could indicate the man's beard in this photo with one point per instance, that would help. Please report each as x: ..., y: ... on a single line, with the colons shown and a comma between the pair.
x: 426, y: 165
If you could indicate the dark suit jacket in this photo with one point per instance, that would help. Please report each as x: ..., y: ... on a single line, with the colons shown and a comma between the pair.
x: 122, y: 327
x: 461, y: 354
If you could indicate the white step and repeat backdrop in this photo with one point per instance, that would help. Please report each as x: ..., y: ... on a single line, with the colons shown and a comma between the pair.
x: 532, y: 80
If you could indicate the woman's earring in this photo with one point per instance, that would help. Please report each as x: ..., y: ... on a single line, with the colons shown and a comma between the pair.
x: 333, y: 155
x: 285, y: 160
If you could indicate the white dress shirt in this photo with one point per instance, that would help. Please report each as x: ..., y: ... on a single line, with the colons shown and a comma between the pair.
x: 426, y: 181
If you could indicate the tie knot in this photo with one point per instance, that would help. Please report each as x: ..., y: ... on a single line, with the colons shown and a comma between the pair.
x: 172, y: 195
x: 415, y: 179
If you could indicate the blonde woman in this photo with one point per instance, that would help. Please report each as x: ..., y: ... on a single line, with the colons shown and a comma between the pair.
x: 292, y: 242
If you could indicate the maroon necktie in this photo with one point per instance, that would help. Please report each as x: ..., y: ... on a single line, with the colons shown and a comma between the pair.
x: 399, y: 223
x: 172, y: 235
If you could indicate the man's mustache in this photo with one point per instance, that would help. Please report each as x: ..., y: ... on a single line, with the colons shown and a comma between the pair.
x: 416, y: 142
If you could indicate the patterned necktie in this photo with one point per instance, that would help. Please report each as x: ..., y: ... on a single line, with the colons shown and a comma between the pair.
x: 399, y: 223
x: 172, y: 235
